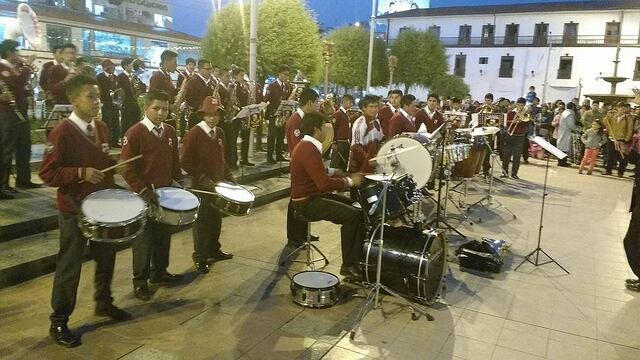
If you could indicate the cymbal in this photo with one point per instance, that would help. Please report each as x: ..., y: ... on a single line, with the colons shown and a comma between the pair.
x: 394, y: 153
x: 486, y: 130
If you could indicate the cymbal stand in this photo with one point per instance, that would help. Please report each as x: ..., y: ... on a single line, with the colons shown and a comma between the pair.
x: 449, y: 197
x: 489, y: 198
x: 373, y: 296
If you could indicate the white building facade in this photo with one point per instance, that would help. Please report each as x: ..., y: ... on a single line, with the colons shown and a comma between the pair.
x: 505, y: 49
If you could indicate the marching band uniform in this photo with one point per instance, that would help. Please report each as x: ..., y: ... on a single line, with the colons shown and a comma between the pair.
x: 276, y: 92
x: 296, y: 229
x: 15, y: 135
x: 55, y: 83
x: 203, y: 160
x: 159, y: 166
x: 384, y: 115
x: 110, y: 113
x: 161, y: 80
x: 293, y: 129
x: 130, y: 108
x: 73, y: 146
x: 431, y: 120
x: 512, y: 145
x: 195, y: 91
x: 365, y: 141
x: 401, y: 122
x: 341, y: 134
x: 242, y: 100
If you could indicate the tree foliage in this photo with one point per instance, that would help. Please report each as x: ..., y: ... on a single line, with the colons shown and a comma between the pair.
x: 421, y: 58
x: 447, y: 85
x: 351, y: 52
x: 227, y: 39
x: 288, y: 34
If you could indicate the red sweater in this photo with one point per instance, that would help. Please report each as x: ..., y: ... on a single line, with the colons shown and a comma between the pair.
x: 159, y: 164
x: 44, y: 73
x: 520, y: 129
x: 399, y: 124
x: 341, y: 129
x: 69, y: 150
x: 16, y: 79
x: 384, y: 116
x: 196, y: 90
x: 161, y: 81
x: 203, y: 155
x: 294, y: 134
x: 308, y: 176
x: 432, y: 124
x: 55, y: 83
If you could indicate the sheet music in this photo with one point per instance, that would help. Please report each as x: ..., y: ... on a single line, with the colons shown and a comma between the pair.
x: 550, y: 148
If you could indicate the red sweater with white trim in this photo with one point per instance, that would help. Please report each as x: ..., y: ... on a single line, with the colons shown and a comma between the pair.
x: 294, y: 123
x: 203, y: 155
x: 308, y: 176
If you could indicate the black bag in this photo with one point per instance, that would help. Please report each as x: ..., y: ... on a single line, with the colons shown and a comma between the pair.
x: 484, y: 256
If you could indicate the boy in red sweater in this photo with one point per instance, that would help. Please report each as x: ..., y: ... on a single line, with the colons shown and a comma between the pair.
x: 203, y: 160
x: 158, y: 142
x: 77, y: 148
x: 311, y: 192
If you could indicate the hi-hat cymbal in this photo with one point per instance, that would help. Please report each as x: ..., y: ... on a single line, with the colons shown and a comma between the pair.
x: 394, y: 153
x: 485, y: 130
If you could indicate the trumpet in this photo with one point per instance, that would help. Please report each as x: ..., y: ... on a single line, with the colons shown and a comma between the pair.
x: 516, y: 120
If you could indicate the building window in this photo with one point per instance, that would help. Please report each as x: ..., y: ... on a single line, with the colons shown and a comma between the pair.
x: 464, y: 37
x: 483, y: 60
x: 636, y: 70
x: 105, y: 43
x: 612, y: 33
x: 540, y: 34
x: 58, y: 35
x: 564, y: 70
x: 404, y: 28
x: 488, y: 34
x: 570, y: 34
x: 511, y: 34
x: 506, y: 67
x: 460, y: 65
x: 435, y: 30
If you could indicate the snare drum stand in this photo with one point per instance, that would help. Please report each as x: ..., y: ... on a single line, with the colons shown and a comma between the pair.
x: 373, y: 297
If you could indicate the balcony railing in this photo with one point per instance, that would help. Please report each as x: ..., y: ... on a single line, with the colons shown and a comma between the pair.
x: 528, y: 41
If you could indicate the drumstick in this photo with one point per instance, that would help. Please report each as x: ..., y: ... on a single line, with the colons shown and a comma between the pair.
x: 119, y: 164
x: 203, y: 192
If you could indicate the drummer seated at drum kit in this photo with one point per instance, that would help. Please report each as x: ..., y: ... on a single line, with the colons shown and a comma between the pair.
x: 77, y: 148
x: 312, y: 197
x: 203, y: 160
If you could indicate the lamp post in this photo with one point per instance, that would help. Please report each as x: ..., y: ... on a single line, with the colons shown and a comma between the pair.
x: 327, y: 53
x: 393, y: 63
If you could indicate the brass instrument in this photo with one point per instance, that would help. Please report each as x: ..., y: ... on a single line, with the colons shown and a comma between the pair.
x: 117, y: 96
x: 526, y: 116
x: 486, y: 109
x: 4, y: 89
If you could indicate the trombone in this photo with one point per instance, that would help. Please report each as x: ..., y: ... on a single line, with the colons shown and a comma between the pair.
x: 526, y: 117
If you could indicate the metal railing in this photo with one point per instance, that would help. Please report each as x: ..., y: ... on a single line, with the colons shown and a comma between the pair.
x: 542, y: 40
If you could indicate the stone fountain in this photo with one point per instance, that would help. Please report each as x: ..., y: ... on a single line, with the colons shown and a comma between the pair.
x: 612, y: 97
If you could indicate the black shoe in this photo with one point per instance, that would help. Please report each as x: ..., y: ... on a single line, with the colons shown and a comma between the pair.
x: 632, y: 281
x: 6, y: 196
x: 63, y: 336
x: 515, y: 177
x: 352, y: 271
x: 633, y: 287
x: 504, y: 175
x: 220, y: 256
x: 202, y: 267
x: 10, y: 190
x: 165, y: 278
x: 246, y: 163
x: 142, y: 292
x: 271, y: 161
x: 29, y: 185
x: 281, y: 158
x: 111, y: 311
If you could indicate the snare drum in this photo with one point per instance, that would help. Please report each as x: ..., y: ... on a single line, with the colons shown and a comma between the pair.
x: 416, y: 162
x: 112, y: 216
x: 315, y: 289
x: 177, y: 206
x: 233, y: 199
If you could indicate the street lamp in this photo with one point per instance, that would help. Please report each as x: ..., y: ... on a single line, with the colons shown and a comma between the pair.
x: 393, y: 63
x: 327, y: 53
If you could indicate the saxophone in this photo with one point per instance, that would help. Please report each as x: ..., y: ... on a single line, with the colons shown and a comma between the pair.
x: 4, y: 89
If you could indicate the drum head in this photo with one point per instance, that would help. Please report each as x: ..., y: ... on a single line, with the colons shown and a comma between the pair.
x: 177, y: 199
x: 315, y: 279
x: 112, y: 206
x: 234, y: 192
x: 416, y: 162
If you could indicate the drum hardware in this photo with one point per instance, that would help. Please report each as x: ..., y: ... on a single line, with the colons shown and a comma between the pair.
x: 315, y: 289
x: 536, y: 253
x: 373, y: 296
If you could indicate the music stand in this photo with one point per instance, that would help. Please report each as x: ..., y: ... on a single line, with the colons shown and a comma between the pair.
x: 560, y: 155
x: 58, y: 113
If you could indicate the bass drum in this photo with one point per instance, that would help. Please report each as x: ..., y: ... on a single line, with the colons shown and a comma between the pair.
x: 416, y: 162
x: 415, y: 262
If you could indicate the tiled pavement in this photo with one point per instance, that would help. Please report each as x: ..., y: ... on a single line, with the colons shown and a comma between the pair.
x: 241, y: 310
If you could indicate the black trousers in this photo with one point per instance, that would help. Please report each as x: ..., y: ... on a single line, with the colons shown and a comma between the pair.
x: 511, y: 152
x: 111, y: 116
x: 525, y: 149
x: 614, y: 156
x: 151, y: 252
x: 296, y: 229
x: 231, y: 138
x: 337, y: 209
x: 245, y: 136
x: 206, y: 230
x: 131, y: 114
x: 69, y: 265
x: 8, y: 121
x: 340, y: 155
x: 275, y: 139
x: 632, y: 241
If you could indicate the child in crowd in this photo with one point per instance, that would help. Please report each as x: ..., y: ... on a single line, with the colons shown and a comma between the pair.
x: 593, y: 139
